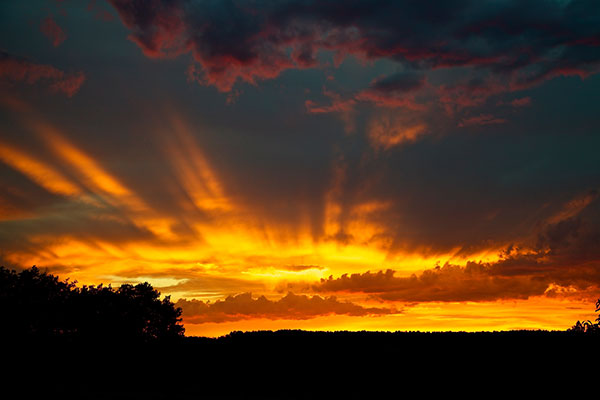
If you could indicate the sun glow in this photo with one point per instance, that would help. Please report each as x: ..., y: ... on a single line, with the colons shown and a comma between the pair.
x: 225, y: 248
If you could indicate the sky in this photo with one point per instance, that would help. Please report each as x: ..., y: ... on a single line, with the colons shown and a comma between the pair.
x: 330, y: 165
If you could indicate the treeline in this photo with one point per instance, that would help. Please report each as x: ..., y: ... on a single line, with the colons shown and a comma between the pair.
x: 35, y: 304
x: 309, y: 365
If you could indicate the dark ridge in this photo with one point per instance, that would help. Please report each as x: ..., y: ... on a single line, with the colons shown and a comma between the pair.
x: 305, y: 365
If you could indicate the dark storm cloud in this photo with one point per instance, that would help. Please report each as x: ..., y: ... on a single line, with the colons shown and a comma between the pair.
x: 16, y: 69
x: 524, y: 42
x: 291, y: 306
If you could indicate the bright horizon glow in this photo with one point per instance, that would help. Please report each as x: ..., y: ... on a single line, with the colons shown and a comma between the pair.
x: 280, y: 165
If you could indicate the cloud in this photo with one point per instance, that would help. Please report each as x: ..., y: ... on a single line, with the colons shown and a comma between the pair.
x: 15, y: 69
x: 291, y: 306
x: 569, y: 244
x: 390, y: 92
x: 194, y: 281
x: 562, y: 259
x: 481, y: 119
x: 338, y: 104
x: 448, y: 283
x: 521, y: 102
x: 397, y: 90
x: 574, y: 207
x: 387, y: 131
x: 299, y: 268
x: 401, y: 82
x: 53, y: 31
x: 472, y: 92
x: 525, y: 42
x: 99, y: 12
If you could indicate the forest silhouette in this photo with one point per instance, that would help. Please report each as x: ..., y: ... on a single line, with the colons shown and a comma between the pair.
x: 127, y: 342
x: 37, y: 304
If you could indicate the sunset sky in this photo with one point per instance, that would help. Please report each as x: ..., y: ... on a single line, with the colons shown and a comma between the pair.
x: 338, y: 165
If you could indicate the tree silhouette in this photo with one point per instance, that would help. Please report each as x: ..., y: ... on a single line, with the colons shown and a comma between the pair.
x: 588, y: 326
x: 38, y: 304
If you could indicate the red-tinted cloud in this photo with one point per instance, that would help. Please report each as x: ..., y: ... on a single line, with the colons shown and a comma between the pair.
x: 13, y: 69
x: 53, y: 31
x: 338, y: 104
x: 397, y: 90
x: 291, y: 306
x: 471, y: 93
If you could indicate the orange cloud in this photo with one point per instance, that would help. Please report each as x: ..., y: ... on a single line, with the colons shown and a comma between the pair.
x: 291, y: 306
x: 448, y: 283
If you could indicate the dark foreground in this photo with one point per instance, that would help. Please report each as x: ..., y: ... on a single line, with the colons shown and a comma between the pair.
x: 307, y: 365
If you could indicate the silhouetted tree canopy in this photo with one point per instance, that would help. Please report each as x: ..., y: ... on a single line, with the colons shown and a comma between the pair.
x: 37, y: 304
